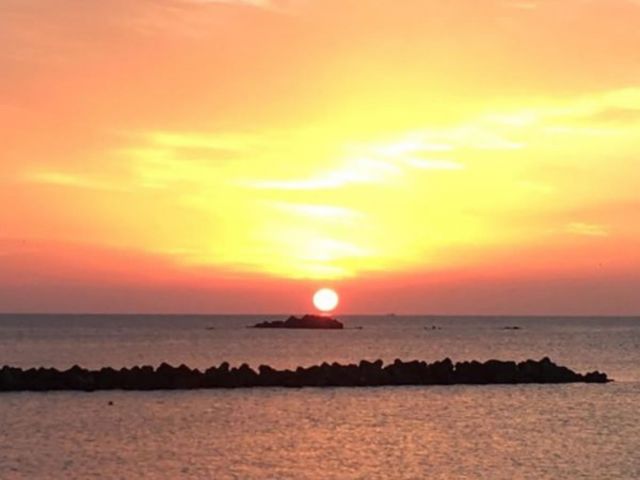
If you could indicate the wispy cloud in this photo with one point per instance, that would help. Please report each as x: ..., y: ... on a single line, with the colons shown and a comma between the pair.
x: 281, y: 6
x: 330, y: 212
x: 353, y: 171
x: 587, y: 229
x: 522, y: 5
x: 618, y: 115
x: 73, y: 180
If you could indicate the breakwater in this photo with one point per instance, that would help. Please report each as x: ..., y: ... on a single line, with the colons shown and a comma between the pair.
x: 363, y: 374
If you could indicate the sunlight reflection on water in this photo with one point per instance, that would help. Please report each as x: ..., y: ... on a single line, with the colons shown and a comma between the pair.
x: 467, y: 432
x: 567, y: 431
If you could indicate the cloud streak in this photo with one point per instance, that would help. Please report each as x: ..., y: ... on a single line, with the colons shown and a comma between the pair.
x: 587, y: 229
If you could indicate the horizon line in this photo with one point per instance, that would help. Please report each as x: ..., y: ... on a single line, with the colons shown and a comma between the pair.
x: 358, y: 314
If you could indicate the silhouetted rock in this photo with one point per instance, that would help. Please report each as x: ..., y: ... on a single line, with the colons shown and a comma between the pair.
x: 596, y: 377
x: 308, y: 321
x: 469, y: 372
x: 365, y: 374
x: 76, y: 378
x: 442, y: 372
x: 491, y: 371
x: 501, y: 372
x: 245, y: 376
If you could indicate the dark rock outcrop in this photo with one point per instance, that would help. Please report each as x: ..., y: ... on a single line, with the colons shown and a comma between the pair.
x: 308, y: 321
x: 364, y: 374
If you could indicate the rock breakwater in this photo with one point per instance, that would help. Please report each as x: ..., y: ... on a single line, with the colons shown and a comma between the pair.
x: 363, y: 374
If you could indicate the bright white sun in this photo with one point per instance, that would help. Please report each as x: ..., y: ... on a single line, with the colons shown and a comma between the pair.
x: 325, y: 299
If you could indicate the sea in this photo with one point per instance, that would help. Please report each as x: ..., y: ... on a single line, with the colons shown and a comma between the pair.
x: 572, y: 431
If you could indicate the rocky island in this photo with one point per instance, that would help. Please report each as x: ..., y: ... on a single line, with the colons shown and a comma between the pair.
x: 363, y: 374
x: 307, y: 321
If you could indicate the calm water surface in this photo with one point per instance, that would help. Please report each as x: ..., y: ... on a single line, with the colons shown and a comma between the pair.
x: 499, y: 432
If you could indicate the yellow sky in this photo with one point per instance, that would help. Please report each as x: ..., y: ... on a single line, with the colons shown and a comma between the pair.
x: 233, y: 147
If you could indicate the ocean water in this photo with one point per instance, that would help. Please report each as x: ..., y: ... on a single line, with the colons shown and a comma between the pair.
x: 441, y: 432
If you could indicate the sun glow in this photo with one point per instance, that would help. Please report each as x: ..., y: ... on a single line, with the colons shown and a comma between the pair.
x: 321, y: 141
x: 325, y: 299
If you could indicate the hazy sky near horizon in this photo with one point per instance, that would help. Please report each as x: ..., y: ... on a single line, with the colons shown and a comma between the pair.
x: 476, y: 156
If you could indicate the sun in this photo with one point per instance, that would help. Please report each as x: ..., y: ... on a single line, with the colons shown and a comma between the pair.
x: 325, y: 299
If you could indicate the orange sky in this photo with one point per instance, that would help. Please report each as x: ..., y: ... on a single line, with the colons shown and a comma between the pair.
x: 232, y: 156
